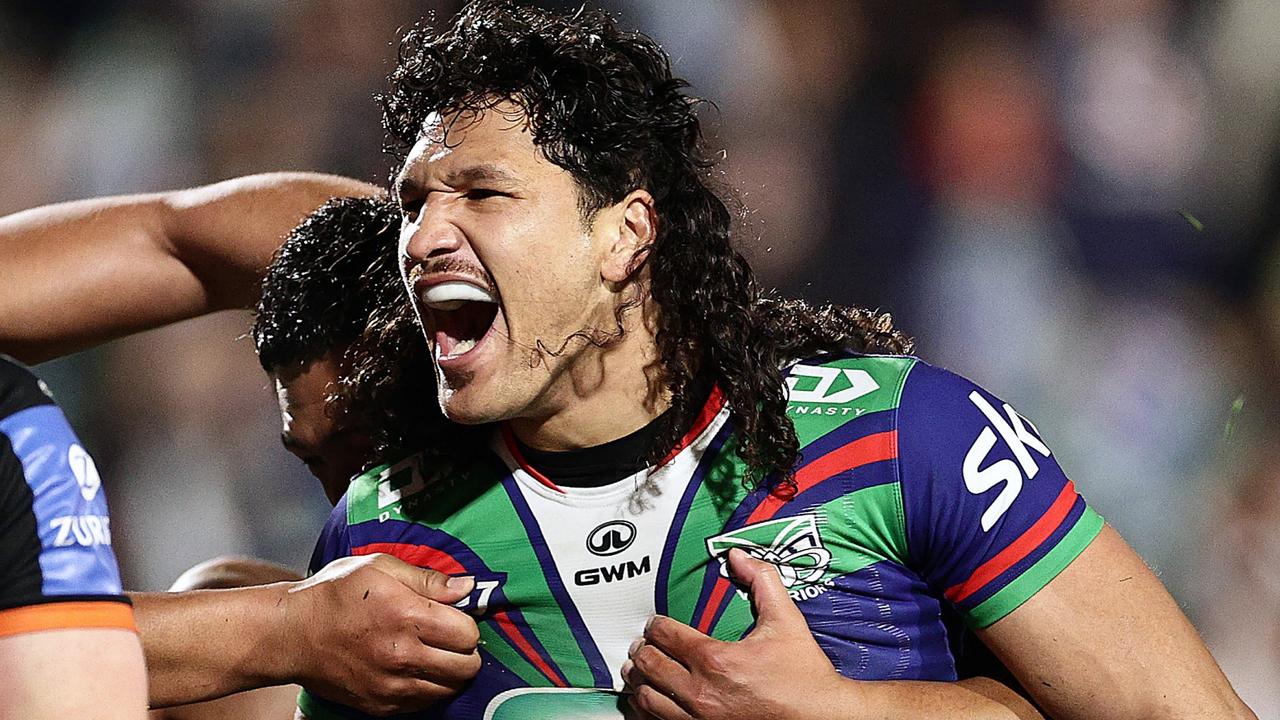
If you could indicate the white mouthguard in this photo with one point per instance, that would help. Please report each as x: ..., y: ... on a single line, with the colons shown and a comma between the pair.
x: 451, y: 295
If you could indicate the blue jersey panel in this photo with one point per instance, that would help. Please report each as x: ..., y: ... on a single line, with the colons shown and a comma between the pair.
x: 983, y: 496
x: 69, y: 505
x: 335, y: 540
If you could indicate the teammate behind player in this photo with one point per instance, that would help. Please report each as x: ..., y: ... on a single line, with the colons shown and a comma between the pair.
x: 68, y: 644
x: 334, y: 279
x: 578, y: 286
x: 165, y: 257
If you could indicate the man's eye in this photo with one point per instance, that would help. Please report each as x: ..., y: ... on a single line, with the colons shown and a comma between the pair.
x: 410, y: 207
x: 482, y: 193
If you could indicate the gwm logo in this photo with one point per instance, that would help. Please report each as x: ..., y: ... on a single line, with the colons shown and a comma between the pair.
x: 608, y: 539
x: 792, y: 544
x: 611, y: 538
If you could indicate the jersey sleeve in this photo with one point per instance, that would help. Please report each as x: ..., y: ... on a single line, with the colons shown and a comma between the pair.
x: 990, y: 516
x: 57, y: 569
x: 334, y: 541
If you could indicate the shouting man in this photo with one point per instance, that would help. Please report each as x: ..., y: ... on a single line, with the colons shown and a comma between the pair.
x: 653, y: 435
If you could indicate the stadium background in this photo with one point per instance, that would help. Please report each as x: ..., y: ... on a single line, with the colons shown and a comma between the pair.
x: 1074, y: 202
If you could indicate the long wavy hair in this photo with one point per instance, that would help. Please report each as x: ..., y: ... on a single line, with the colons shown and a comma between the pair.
x: 602, y: 104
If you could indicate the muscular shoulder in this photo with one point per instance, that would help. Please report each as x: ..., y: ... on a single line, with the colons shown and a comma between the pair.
x: 825, y: 394
x: 394, y: 487
x: 991, y: 517
x: 425, y: 486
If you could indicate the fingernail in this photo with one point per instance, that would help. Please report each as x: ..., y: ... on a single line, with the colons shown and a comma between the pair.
x: 634, y: 647
x: 626, y: 669
x: 461, y: 582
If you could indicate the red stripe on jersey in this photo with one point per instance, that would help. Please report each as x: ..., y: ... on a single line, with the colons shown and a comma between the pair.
x: 715, y: 402
x: 441, y: 561
x: 1018, y: 549
x: 513, y: 447
x: 522, y: 644
x: 863, y: 451
x: 419, y: 555
x: 713, y: 604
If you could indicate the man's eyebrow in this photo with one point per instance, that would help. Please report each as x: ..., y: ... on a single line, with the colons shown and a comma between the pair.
x: 478, y: 173
x: 407, y: 186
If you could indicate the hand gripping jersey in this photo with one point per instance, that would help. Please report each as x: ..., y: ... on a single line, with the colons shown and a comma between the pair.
x: 56, y: 565
x: 923, y: 504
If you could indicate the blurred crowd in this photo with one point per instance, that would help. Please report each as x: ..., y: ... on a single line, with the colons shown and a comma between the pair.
x: 1073, y: 202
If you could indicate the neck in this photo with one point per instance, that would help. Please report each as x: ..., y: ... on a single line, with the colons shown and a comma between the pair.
x: 606, y: 393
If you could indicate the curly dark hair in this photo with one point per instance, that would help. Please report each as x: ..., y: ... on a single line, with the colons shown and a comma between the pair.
x: 388, y: 385
x: 602, y: 104
x: 311, y: 302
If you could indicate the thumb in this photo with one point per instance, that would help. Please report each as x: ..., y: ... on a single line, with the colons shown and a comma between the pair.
x: 427, y: 582
x: 773, y: 606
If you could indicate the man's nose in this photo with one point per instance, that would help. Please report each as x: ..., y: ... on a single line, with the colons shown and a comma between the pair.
x: 431, y: 234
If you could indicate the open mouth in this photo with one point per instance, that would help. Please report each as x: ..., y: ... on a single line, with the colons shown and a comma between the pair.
x: 462, y: 314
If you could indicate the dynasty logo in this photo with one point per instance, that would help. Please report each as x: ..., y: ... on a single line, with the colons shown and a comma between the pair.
x: 792, y: 544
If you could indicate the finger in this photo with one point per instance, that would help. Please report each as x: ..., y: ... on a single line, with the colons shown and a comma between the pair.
x: 676, y: 639
x: 402, y: 696
x: 650, y: 701
x: 768, y: 595
x: 443, y: 626
x: 445, y: 668
x: 426, y: 582
x: 649, y: 665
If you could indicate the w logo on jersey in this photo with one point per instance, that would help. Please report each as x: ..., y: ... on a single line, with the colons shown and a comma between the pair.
x: 793, y: 544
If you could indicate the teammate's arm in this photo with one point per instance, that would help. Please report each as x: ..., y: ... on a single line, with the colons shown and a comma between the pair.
x: 68, y: 647
x: 79, y: 273
x: 370, y: 632
x: 72, y: 673
x: 1105, y: 640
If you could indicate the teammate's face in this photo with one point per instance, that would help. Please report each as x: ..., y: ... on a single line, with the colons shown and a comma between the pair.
x: 333, y: 451
x: 501, y: 265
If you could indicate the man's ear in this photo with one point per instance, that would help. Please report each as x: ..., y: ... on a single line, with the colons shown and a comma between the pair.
x: 635, y: 227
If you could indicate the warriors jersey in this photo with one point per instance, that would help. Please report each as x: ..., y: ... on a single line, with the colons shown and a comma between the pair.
x: 922, y: 504
x: 56, y: 565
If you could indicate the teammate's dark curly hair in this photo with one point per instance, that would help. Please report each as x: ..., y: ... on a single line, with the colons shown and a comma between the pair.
x: 311, y: 303
x: 334, y: 287
x: 602, y: 104
x: 389, y: 383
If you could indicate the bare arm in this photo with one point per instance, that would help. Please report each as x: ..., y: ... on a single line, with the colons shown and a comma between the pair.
x: 72, y: 673
x: 79, y: 273
x: 1105, y: 640
x: 370, y: 632
x: 206, y: 644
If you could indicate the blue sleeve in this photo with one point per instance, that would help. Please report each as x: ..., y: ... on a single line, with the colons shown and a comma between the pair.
x: 334, y: 542
x: 990, y: 516
x: 54, y: 497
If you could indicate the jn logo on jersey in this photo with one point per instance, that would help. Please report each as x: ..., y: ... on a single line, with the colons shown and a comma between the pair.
x: 792, y: 544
